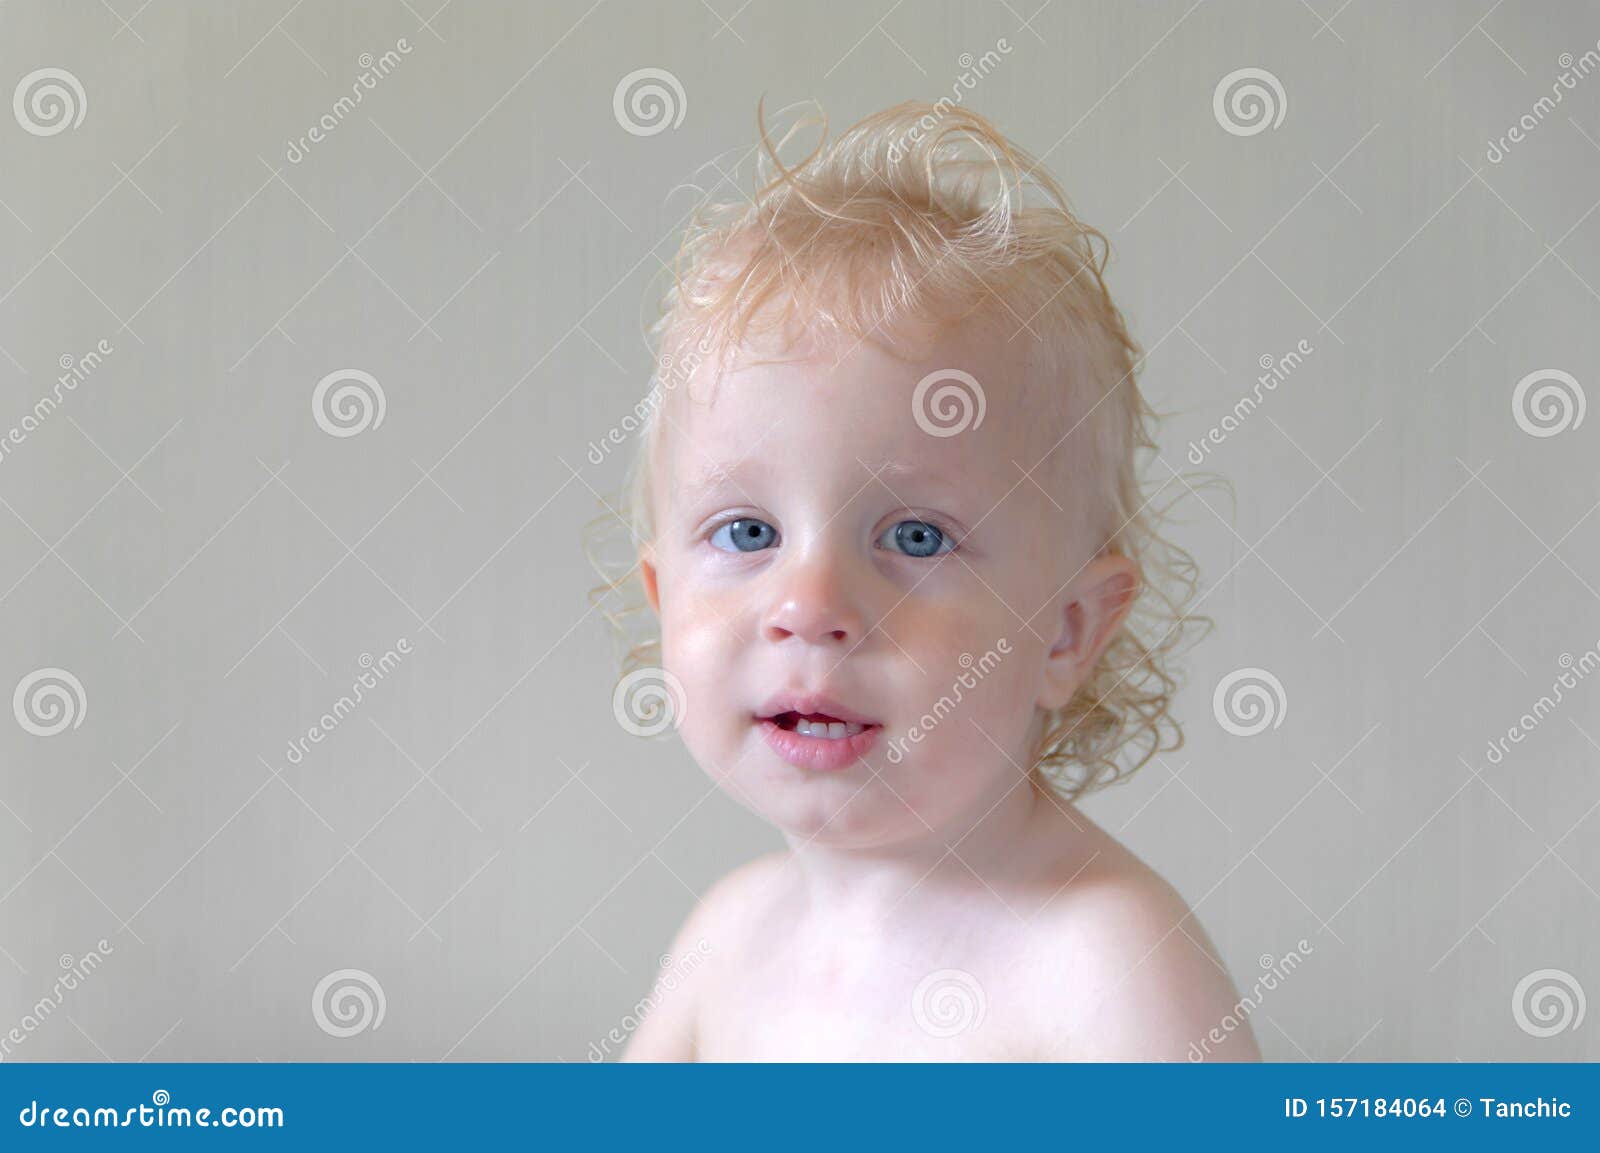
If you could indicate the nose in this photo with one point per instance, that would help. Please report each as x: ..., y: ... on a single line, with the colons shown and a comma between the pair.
x: 813, y: 601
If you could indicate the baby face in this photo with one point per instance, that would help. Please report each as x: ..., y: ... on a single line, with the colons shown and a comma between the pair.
x: 829, y: 545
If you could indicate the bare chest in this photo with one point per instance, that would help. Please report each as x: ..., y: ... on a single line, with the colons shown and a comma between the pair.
x: 880, y: 1002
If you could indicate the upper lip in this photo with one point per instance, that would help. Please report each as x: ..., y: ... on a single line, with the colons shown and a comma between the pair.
x: 811, y: 704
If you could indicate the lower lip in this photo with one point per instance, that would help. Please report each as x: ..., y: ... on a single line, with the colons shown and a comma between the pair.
x: 821, y: 754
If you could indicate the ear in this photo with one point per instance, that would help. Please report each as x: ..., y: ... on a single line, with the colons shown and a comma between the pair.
x: 1096, y: 603
x: 647, y: 571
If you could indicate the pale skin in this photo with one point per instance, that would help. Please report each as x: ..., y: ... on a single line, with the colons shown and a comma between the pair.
x: 944, y: 907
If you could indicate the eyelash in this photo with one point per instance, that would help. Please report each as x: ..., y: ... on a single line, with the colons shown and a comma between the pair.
x: 948, y: 534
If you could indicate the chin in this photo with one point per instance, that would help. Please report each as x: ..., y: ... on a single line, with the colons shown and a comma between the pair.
x: 846, y: 810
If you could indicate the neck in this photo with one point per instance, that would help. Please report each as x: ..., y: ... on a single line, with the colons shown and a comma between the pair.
x: 873, y: 881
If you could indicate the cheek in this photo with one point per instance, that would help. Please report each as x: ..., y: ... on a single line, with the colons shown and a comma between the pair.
x: 973, y: 637
x: 980, y: 691
x: 699, y: 647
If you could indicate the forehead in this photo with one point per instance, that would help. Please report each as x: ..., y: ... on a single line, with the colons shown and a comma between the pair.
x: 962, y: 402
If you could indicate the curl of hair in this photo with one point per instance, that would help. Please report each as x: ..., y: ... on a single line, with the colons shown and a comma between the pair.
x: 927, y: 210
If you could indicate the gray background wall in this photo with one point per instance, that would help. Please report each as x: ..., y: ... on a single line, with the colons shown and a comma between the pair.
x: 484, y: 238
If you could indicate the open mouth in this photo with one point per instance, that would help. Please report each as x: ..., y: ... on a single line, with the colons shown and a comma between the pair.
x: 818, y: 725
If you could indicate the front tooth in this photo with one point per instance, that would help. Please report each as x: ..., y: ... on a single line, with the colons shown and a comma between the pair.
x: 827, y: 730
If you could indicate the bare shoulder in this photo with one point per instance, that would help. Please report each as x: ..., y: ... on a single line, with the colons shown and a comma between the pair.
x: 710, y: 938
x: 1123, y: 971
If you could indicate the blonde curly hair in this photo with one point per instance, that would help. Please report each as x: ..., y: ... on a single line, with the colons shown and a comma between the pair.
x: 926, y: 209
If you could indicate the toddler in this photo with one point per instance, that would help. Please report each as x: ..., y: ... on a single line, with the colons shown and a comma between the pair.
x: 887, y: 515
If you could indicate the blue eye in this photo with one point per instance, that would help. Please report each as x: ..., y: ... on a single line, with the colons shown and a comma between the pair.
x: 917, y: 538
x: 745, y: 535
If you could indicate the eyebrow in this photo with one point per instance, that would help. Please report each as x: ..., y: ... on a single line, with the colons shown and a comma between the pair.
x: 716, y: 475
x: 902, y: 468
